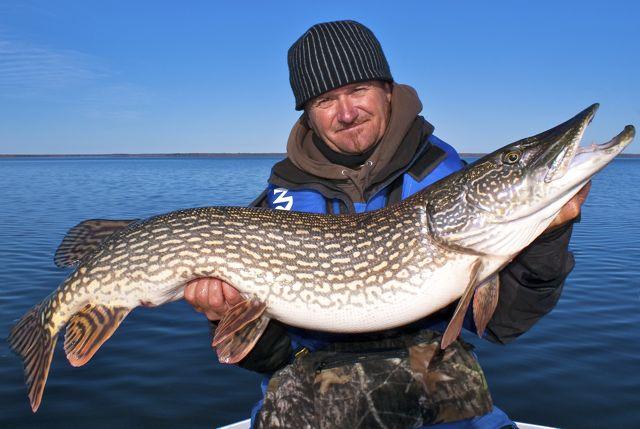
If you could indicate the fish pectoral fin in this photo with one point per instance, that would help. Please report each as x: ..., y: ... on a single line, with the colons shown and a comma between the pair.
x: 455, y: 325
x: 485, y: 301
x: 35, y: 344
x: 236, y: 347
x: 89, y: 328
x: 240, y: 330
x: 237, y: 317
x: 86, y: 237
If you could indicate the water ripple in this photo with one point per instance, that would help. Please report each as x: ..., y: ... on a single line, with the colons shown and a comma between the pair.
x: 577, y: 368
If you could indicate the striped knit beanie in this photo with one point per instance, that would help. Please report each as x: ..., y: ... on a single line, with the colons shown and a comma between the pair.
x: 333, y: 54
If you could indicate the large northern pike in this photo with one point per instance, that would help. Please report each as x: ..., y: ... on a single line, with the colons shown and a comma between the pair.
x: 348, y: 273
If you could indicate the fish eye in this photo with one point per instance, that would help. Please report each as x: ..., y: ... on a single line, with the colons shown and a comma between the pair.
x: 512, y: 156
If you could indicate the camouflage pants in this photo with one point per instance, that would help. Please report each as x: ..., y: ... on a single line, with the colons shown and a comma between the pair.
x: 401, y: 382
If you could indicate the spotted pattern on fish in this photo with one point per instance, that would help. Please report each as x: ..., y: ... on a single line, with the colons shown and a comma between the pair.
x: 319, y: 261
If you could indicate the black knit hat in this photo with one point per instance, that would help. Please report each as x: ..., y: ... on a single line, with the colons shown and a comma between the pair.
x: 333, y: 54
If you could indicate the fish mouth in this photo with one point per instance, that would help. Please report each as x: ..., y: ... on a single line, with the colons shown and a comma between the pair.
x: 568, y: 136
x: 616, y: 144
x: 566, y: 153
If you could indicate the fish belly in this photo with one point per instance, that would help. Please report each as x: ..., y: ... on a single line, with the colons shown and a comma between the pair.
x: 389, y: 305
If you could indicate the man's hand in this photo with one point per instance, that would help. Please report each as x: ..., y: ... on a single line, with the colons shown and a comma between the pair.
x: 571, y: 210
x: 211, y: 296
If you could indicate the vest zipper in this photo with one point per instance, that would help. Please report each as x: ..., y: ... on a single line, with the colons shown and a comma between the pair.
x: 364, y: 356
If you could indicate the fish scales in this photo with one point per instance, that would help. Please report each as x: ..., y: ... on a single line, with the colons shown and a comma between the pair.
x: 340, y: 263
x: 347, y: 273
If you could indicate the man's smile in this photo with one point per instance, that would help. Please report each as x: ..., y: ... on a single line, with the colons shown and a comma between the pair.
x: 351, y: 127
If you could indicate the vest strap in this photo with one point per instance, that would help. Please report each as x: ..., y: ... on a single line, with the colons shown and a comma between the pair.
x: 424, y: 165
x: 395, y: 193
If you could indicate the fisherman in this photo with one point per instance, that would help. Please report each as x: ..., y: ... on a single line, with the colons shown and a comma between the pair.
x: 360, y: 145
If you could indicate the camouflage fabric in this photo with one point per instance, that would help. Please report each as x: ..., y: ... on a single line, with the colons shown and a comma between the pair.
x: 402, y: 382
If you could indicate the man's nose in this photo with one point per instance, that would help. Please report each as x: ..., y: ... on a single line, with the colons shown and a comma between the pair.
x: 347, y: 112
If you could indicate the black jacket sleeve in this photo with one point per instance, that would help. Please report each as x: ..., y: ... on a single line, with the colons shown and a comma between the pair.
x: 530, y: 286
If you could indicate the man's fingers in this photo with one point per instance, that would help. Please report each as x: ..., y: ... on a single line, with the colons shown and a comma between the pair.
x: 575, y: 204
x: 231, y: 294
x: 190, y: 292
x: 211, y: 296
x: 572, y: 208
x: 216, y: 298
x: 202, y: 293
x: 583, y: 193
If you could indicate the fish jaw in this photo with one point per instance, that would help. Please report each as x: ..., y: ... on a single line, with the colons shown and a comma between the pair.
x: 503, y: 201
x: 587, y: 161
x: 560, y: 153
x: 583, y: 165
x: 577, y: 166
x: 570, y: 166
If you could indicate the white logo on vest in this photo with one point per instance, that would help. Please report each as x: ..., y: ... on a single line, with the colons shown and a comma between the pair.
x: 282, y: 198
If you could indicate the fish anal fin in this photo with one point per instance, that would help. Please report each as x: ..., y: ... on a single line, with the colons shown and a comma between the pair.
x: 85, y: 238
x: 35, y: 344
x: 237, y: 317
x: 89, y: 328
x: 455, y: 325
x: 235, y: 347
x: 485, y: 301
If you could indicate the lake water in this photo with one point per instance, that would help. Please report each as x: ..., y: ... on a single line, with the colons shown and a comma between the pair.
x: 577, y: 368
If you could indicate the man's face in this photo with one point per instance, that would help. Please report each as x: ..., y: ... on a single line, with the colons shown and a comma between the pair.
x: 352, y: 118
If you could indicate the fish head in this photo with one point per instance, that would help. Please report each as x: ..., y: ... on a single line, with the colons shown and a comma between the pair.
x: 503, y: 201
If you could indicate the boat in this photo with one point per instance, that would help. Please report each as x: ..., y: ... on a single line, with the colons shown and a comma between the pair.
x: 245, y: 424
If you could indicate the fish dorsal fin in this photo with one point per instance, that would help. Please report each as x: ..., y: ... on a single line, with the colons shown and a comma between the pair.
x: 455, y: 325
x: 35, y: 344
x: 89, y: 328
x: 240, y: 330
x: 86, y: 237
x: 485, y: 301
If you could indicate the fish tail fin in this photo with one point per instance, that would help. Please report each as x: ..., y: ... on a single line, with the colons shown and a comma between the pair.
x: 30, y: 339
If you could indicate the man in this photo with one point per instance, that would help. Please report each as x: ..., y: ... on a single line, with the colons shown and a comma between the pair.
x: 361, y: 145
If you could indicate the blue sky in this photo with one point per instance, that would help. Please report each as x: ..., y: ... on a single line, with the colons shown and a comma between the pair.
x: 197, y: 76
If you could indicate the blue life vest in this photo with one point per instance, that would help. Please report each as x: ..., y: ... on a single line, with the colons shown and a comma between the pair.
x: 312, y: 201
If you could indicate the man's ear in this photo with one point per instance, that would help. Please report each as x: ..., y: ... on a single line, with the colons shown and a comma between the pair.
x: 305, y: 120
x: 388, y: 86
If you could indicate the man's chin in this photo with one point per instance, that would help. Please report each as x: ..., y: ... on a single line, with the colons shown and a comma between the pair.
x: 354, y: 146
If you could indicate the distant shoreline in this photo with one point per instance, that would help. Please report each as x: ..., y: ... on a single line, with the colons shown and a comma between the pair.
x: 149, y: 155
x: 207, y: 155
